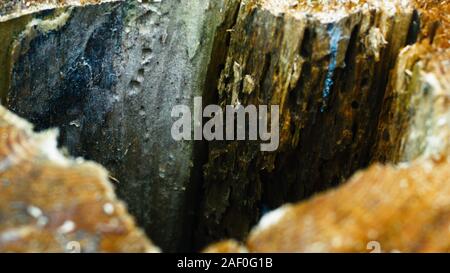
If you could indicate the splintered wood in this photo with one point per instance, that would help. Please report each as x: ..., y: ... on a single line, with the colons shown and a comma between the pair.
x: 50, y: 203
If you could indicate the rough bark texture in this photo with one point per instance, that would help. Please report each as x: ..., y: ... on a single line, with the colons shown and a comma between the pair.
x: 415, y: 121
x: 327, y: 68
x: 50, y: 203
x: 108, y: 75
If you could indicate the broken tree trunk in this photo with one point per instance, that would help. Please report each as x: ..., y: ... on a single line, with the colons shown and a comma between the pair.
x: 326, y: 65
x: 50, y: 203
x: 383, y: 209
x: 108, y: 75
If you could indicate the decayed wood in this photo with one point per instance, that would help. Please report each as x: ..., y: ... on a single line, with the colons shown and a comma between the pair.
x: 326, y: 65
x: 415, y: 121
x: 51, y: 203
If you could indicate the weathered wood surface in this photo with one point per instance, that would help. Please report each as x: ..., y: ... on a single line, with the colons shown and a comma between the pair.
x: 327, y: 67
x: 415, y: 121
x: 382, y: 209
x: 108, y: 75
x: 51, y: 203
